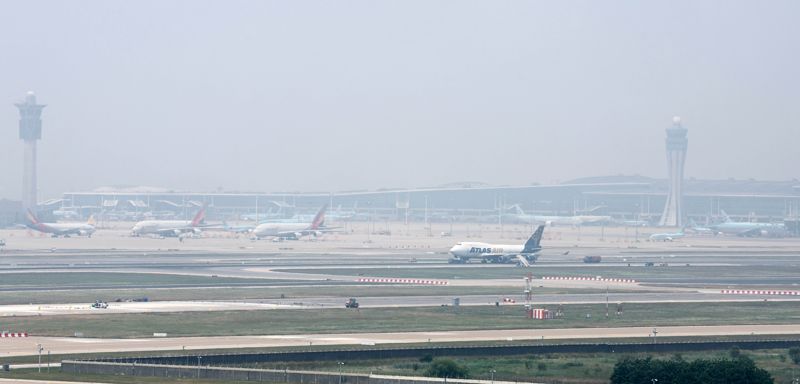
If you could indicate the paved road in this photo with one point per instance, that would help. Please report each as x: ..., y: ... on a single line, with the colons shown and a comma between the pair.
x: 61, y: 345
x: 373, y: 302
x: 35, y: 365
x: 21, y: 381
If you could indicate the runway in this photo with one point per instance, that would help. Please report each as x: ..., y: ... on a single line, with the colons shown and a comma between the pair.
x: 63, y: 345
x: 375, y: 302
x: 690, y: 271
x: 25, y: 381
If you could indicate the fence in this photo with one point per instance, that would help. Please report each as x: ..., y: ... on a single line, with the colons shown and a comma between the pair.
x: 501, y: 350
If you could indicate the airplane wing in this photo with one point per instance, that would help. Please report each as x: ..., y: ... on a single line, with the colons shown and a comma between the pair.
x: 305, y: 232
x: 327, y: 229
x: 319, y: 230
x: 173, y: 232
x: 750, y: 232
x: 292, y: 235
x: 69, y: 231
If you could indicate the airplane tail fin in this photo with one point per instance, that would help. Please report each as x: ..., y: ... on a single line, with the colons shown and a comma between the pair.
x: 31, y: 217
x: 518, y: 209
x: 199, y: 217
x: 725, y: 216
x: 533, y: 243
x: 319, y: 219
x: 91, y: 221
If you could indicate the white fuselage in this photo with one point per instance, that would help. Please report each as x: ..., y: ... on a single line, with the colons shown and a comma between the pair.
x: 666, y: 236
x: 476, y: 249
x: 486, y: 252
x: 160, y: 226
x: 740, y: 228
x: 279, y: 229
x: 559, y: 220
x: 64, y: 229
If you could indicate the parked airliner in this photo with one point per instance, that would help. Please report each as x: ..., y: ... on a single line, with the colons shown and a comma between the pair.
x: 521, y: 216
x: 61, y: 229
x: 170, y: 227
x: 293, y: 231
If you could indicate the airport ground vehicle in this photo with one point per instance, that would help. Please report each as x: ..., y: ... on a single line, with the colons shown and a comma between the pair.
x: 351, y: 303
x: 592, y: 259
x: 100, y: 304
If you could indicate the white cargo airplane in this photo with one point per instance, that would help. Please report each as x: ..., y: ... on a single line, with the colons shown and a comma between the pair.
x: 499, y: 253
x: 61, y: 229
x: 170, y: 227
x: 293, y: 231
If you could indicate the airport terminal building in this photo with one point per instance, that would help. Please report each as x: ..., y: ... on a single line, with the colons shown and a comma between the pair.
x: 625, y: 198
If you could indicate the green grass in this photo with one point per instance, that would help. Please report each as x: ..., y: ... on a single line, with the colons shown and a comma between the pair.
x: 236, y: 293
x: 636, y: 271
x: 399, y: 319
x: 573, y: 368
x: 58, y: 279
x: 32, y: 359
x: 56, y: 375
x: 594, y: 368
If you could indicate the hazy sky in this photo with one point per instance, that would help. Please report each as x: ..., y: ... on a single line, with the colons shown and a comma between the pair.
x: 334, y: 95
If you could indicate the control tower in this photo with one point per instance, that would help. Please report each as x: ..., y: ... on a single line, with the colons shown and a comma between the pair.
x: 676, y: 157
x: 30, y: 131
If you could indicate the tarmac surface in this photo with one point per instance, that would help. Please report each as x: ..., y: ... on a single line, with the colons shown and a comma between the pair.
x: 743, y: 263
x: 23, y: 381
x: 63, y: 345
x: 374, y: 302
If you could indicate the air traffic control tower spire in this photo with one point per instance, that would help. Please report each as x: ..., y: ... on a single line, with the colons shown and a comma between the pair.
x: 676, y: 157
x: 30, y: 130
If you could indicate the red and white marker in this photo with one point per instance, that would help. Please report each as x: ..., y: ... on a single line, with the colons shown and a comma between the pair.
x: 583, y: 278
x: 758, y: 292
x: 13, y: 334
x: 402, y: 281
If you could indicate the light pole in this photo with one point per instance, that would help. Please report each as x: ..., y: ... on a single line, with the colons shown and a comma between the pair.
x: 341, y: 363
x: 653, y: 381
x: 493, y: 372
x: 198, y: 366
x: 655, y: 332
x: 39, y: 349
x: 48, y: 361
